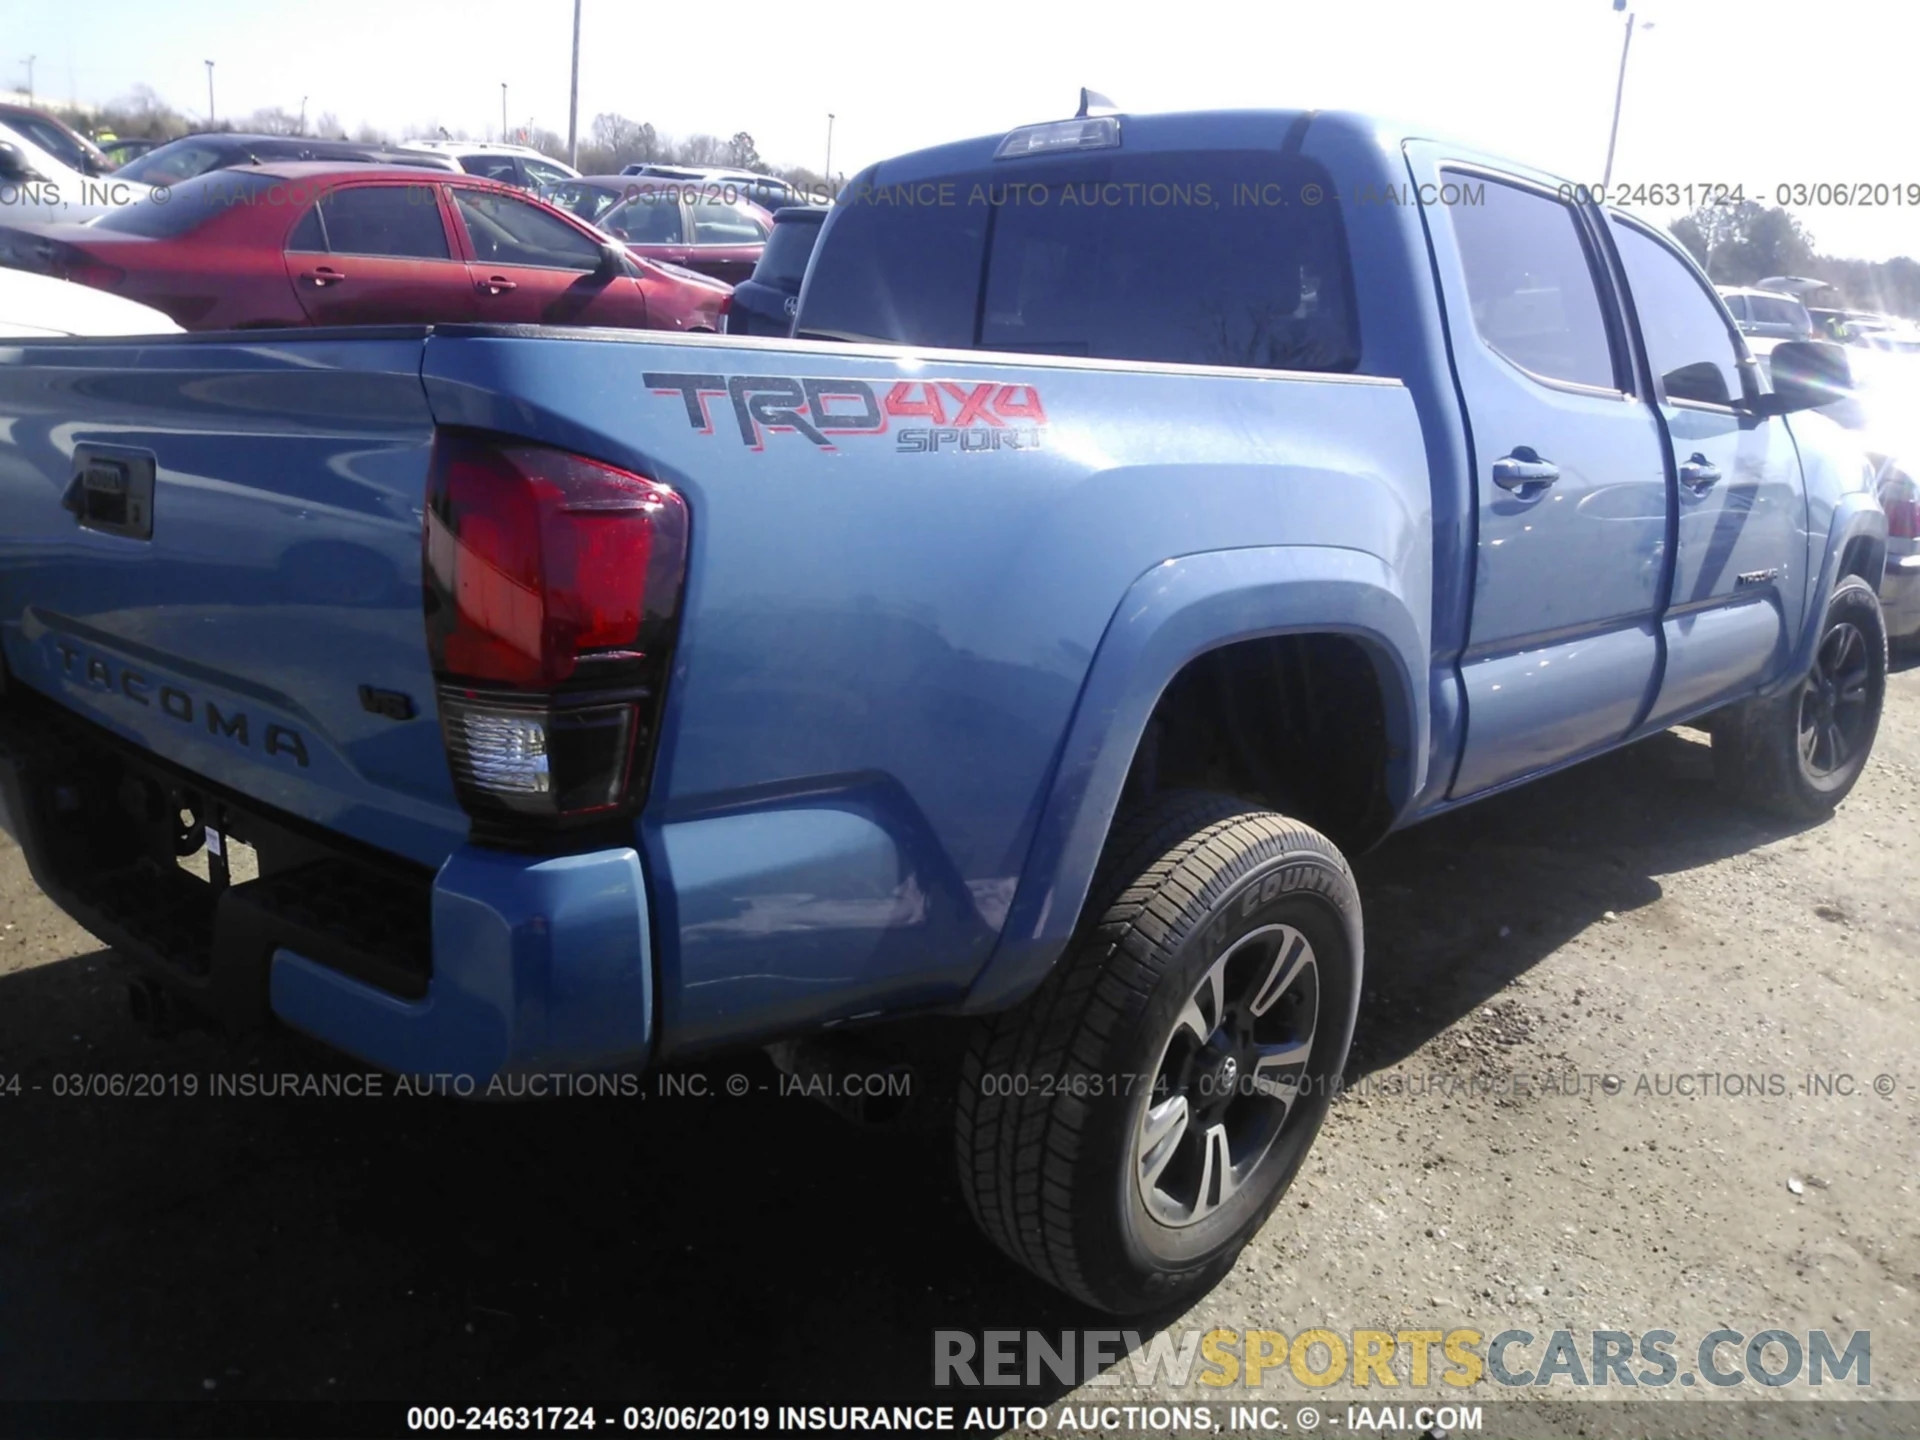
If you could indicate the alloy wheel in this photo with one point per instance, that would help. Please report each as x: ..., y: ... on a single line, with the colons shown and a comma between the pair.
x: 1835, y: 716
x: 1228, y: 1076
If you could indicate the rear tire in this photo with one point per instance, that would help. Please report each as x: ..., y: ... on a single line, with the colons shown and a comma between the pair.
x: 1797, y: 754
x: 1126, y: 1130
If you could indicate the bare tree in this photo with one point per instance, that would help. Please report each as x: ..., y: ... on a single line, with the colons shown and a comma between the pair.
x: 742, y: 154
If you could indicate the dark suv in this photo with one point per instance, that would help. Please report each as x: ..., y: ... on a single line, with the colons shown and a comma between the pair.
x: 765, y: 302
x: 193, y: 155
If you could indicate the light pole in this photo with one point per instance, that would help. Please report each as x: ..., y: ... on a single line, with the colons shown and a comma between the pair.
x: 303, y: 114
x: 573, y: 96
x: 30, y: 60
x: 503, y: 112
x: 209, y: 65
x: 828, y: 177
x: 1619, y: 90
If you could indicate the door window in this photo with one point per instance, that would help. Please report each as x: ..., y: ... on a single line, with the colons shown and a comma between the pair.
x: 544, y: 172
x: 577, y: 197
x: 651, y: 217
x: 715, y: 222
x: 1689, y: 344
x: 1530, y: 284
x: 507, y: 230
x: 491, y: 167
x: 1787, y: 314
x: 400, y: 220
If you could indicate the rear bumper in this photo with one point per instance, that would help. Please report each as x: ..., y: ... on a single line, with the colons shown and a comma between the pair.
x: 1900, y: 592
x: 498, y: 964
x: 538, y: 965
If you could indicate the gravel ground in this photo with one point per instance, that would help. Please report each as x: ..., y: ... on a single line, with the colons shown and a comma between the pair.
x: 1618, y: 920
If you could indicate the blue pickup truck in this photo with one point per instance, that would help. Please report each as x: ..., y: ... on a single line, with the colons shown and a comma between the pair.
x: 1147, y: 512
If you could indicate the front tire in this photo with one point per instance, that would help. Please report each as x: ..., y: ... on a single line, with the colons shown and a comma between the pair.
x: 1799, y: 753
x: 1127, y: 1129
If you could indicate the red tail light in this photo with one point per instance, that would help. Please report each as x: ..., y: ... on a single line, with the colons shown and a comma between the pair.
x: 553, y: 591
x: 1900, y: 498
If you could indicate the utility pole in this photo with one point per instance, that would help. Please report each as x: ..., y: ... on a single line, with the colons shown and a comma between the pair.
x: 209, y: 65
x: 828, y: 177
x: 1619, y: 90
x: 573, y: 96
x: 503, y: 112
x: 30, y: 60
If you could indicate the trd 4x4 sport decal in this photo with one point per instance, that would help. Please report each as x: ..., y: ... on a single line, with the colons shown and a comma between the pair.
x: 952, y: 414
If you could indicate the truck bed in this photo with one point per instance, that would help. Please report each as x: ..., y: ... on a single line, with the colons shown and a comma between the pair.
x: 889, y: 619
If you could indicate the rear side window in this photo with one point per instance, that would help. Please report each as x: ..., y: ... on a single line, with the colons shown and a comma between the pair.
x: 784, y: 262
x: 715, y: 222
x: 398, y: 220
x: 1205, y: 259
x: 1530, y: 285
x: 170, y: 164
x: 1771, y: 311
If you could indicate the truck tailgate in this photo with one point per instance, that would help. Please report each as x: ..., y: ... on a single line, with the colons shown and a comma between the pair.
x: 260, y: 624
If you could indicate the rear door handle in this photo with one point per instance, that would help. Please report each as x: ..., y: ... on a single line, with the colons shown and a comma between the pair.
x: 325, y: 275
x: 497, y: 285
x: 1699, y: 474
x: 1524, y: 471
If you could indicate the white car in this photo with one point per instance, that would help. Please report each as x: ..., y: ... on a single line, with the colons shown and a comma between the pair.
x: 39, y: 307
x: 38, y: 189
x: 520, y: 165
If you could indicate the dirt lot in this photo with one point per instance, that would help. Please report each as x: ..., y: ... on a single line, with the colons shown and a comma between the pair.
x: 1617, y: 920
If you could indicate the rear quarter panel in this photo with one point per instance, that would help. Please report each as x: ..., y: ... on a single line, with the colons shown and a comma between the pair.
x: 882, y: 649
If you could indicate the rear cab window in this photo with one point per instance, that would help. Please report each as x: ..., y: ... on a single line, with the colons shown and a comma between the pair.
x: 783, y: 264
x: 1182, y: 257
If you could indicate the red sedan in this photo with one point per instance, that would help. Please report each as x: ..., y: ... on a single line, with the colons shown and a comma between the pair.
x: 325, y: 244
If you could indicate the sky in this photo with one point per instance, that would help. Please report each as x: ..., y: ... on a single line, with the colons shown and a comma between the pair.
x: 1759, y: 93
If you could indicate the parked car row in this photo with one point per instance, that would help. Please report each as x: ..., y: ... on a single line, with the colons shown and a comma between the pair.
x: 313, y: 243
x: 638, y: 249
x: 36, y: 184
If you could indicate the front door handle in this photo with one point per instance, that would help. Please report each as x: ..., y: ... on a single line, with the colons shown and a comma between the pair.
x: 1524, y: 472
x: 497, y: 285
x: 1699, y: 474
x: 324, y: 276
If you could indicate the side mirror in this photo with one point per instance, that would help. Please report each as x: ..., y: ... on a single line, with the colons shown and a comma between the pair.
x: 613, y: 259
x: 12, y: 167
x: 1807, y: 374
